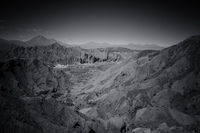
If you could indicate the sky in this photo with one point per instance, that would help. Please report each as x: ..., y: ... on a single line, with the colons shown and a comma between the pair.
x: 161, y: 22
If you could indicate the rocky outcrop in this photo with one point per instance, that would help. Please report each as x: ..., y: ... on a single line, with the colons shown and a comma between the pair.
x: 32, y: 78
x: 108, y: 54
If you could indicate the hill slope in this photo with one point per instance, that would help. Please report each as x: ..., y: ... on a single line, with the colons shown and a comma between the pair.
x: 58, y: 54
x: 155, y: 89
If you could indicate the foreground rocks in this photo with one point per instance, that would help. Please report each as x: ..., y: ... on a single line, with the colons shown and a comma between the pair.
x: 34, y: 98
x: 42, y: 115
x: 32, y: 78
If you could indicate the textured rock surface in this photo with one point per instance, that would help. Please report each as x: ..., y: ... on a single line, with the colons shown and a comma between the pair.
x: 27, y: 95
x: 42, y: 115
x: 32, y: 78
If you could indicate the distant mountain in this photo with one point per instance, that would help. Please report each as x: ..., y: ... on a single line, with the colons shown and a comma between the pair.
x: 143, y: 47
x: 38, y: 40
x: 41, y: 40
x: 94, y: 45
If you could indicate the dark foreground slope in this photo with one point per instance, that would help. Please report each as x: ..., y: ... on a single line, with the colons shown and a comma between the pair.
x: 34, y: 98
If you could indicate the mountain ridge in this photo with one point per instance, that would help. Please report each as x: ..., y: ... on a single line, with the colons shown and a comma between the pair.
x: 41, y: 40
x: 93, y: 45
x: 37, y: 40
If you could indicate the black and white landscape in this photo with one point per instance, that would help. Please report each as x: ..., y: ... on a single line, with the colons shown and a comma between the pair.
x: 98, y: 82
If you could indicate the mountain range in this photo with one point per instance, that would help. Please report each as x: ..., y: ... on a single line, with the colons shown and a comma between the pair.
x: 93, y: 45
x: 102, y: 90
x: 38, y: 40
x: 41, y: 40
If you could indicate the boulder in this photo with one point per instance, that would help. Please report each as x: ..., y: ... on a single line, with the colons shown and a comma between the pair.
x: 163, y: 127
x: 140, y: 113
x: 182, y: 118
x: 161, y: 99
x: 141, y: 130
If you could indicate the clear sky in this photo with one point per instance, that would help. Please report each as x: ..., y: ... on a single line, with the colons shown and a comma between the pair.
x: 161, y: 22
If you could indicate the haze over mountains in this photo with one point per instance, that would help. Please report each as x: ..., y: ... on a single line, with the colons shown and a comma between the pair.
x: 92, y: 45
x: 41, y: 40
x: 103, y: 90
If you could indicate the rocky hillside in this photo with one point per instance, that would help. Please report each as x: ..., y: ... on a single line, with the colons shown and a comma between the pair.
x: 108, y: 54
x: 35, y: 98
x: 32, y: 77
x: 158, y: 91
x: 50, y: 54
x: 36, y: 41
x: 109, y: 90
x: 58, y: 54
